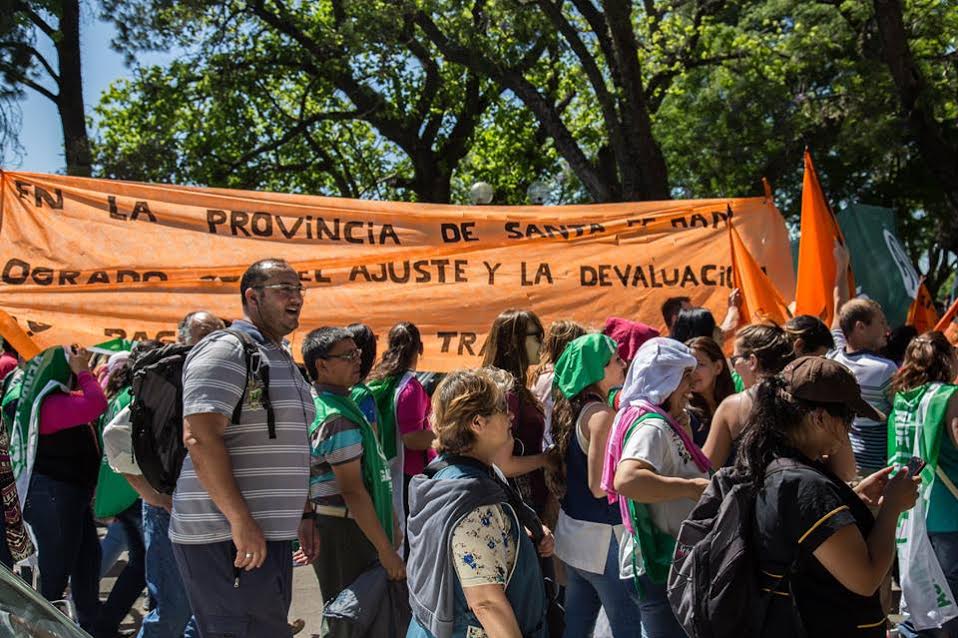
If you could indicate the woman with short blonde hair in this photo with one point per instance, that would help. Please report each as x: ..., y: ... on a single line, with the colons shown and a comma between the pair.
x: 472, y: 569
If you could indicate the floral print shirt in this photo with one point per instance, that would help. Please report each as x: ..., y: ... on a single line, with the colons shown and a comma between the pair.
x: 483, y: 547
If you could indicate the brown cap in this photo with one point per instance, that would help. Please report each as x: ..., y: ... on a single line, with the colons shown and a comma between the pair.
x: 822, y: 380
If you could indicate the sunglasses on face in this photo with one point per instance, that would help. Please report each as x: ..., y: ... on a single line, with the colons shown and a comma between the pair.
x: 348, y: 357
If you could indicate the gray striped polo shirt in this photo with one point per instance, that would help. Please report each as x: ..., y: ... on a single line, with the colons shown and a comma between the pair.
x: 272, y: 474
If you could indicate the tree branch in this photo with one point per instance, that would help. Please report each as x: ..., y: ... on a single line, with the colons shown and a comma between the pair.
x: 291, y: 134
x: 34, y: 53
x: 36, y: 19
x: 544, y: 111
x: 600, y: 28
x: 589, y: 65
x: 20, y: 78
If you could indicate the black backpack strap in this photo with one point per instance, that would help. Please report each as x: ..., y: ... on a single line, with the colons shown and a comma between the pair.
x: 257, y: 366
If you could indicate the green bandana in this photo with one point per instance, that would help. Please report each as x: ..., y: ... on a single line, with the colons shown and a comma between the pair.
x: 583, y: 363
x: 384, y: 390
x: 374, y: 465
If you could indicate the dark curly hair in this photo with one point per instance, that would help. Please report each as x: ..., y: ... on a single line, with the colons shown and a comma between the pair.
x: 565, y: 414
x: 774, y: 423
x: 405, y: 343
x: 365, y: 340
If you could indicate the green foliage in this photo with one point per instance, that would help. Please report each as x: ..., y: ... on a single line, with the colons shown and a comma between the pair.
x: 418, y: 99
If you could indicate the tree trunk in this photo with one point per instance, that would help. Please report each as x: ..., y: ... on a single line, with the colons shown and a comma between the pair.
x: 653, y: 178
x: 939, y: 156
x: 76, y: 143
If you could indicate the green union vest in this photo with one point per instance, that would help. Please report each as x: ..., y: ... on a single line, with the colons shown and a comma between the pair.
x: 374, y: 465
x: 916, y: 427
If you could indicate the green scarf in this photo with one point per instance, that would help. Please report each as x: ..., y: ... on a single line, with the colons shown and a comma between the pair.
x: 45, y: 373
x: 655, y: 546
x: 385, y: 392
x: 583, y: 363
x: 375, y: 468
x: 613, y: 395
x: 113, y: 492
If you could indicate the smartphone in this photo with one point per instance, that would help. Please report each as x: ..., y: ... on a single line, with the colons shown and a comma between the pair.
x: 915, y: 465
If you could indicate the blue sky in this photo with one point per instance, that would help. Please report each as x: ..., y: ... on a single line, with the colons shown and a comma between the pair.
x: 40, y: 134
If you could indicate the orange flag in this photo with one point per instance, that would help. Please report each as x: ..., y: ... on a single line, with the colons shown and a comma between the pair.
x: 815, y: 285
x: 945, y: 322
x: 15, y: 336
x: 760, y: 299
x: 922, y: 314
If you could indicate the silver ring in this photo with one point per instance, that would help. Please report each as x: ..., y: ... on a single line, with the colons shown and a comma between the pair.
x: 249, y: 554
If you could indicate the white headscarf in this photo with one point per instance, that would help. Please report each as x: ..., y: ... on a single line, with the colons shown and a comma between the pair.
x: 656, y: 371
x: 116, y: 360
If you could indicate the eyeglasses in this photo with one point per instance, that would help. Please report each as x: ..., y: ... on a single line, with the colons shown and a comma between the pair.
x: 537, y: 335
x: 348, y: 357
x: 287, y: 289
x: 736, y: 358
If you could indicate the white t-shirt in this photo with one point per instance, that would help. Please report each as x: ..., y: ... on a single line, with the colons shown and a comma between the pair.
x: 654, y: 442
x: 542, y: 390
x: 874, y: 374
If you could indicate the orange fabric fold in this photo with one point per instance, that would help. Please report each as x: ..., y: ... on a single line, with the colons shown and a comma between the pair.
x: 815, y: 283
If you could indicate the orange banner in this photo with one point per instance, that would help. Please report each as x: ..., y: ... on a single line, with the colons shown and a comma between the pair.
x: 17, y: 337
x: 922, y: 313
x: 84, y: 259
x: 760, y: 300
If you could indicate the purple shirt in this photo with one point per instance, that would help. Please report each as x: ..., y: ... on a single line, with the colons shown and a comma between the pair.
x: 412, y: 415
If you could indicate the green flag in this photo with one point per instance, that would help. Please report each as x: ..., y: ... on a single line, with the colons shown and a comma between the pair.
x: 883, y: 270
x: 45, y: 373
x: 112, y: 346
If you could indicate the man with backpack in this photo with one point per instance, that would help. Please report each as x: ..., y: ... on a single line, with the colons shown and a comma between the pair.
x: 240, y: 497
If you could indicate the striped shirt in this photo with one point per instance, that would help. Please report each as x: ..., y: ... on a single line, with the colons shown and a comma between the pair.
x: 869, y: 438
x: 272, y: 474
x: 336, y: 441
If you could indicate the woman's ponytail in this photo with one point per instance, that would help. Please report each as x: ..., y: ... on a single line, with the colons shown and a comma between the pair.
x: 774, y: 415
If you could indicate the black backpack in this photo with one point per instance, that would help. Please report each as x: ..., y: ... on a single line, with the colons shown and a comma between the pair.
x: 156, y: 411
x: 713, y: 585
